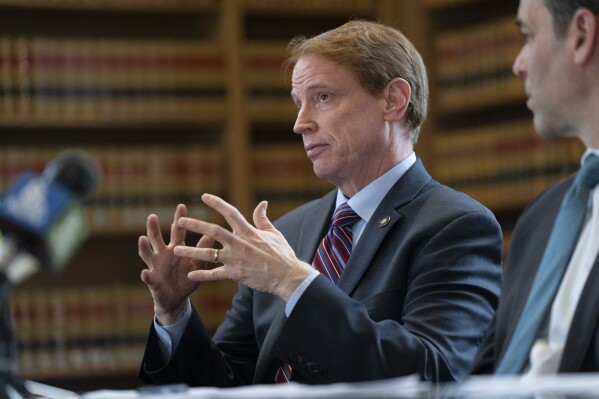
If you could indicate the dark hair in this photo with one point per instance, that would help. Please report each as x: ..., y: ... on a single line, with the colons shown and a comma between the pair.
x: 563, y: 10
x: 375, y: 54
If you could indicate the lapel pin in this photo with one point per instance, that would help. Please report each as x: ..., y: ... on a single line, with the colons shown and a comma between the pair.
x: 384, y: 221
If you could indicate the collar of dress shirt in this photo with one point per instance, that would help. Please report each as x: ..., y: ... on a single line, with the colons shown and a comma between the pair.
x: 588, y: 152
x: 365, y: 202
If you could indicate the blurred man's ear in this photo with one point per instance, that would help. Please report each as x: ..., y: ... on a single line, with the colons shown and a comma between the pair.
x: 583, y: 35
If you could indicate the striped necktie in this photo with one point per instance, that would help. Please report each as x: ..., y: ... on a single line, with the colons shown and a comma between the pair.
x: 558, y: 252
x: 331, y: 257
x: 334, y: 250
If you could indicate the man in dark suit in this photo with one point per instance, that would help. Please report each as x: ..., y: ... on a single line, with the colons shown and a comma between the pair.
x: 559, y: 63
x: 416, y: 294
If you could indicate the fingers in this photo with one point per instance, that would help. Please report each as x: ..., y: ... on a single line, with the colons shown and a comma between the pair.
x: 145, y: 250
x: 203, y: 254
x: 233, y: 217
x: 146, y: 277
x: 153, y: 233
x: 177, y: 232
x: 214, y: 231
x: 218, y: 273
x: 260, y: 219
x: 206, y: 242
x: 228, y: 211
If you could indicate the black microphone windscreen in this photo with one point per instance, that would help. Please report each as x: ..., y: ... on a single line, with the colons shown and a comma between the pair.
x: 76, y: 170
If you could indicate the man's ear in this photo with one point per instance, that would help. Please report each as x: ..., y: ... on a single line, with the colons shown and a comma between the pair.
x: 397, y: 98
x: 583, y: 33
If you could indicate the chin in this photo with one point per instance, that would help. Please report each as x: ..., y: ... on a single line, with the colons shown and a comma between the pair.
x: 327, y: 175
x: 321, y: 169
x: 320, y: 173
x: 550, y: 130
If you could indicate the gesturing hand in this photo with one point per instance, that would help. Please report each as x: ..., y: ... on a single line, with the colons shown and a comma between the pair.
x: 258, y: 257
x: 166, y: 275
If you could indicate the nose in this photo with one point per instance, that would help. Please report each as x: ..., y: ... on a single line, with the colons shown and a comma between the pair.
x: 304, y: 123
x: 519, y: 65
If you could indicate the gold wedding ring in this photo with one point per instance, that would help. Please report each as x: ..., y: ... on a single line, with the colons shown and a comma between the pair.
x: 215, y: 260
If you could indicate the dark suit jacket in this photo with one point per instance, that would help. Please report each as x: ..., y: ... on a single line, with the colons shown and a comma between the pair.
x: 529, y: 239
x: 416, y: 297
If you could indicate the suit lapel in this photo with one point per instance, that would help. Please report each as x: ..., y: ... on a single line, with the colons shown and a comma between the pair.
x: 583, y: 325
x: 314, y: 226
x: 362, y: 254
x: 404, y: 191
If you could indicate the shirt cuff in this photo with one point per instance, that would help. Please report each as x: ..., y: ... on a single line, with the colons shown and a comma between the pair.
x: 170, y: 336
x: 299, y: 291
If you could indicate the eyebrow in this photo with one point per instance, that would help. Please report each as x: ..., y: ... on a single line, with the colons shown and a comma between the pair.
x: 313, y: 87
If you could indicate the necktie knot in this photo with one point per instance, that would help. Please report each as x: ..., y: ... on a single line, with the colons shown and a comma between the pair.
x: 588, y: 176
x: 345, y: 216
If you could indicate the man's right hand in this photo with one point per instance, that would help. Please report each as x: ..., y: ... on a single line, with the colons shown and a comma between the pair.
x: 166, y: 273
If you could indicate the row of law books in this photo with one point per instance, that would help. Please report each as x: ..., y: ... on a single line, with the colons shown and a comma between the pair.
x: 153, y: 178
x: 504, y: 166
x: 90, y: 330
x: 139, y: 180
x: 474, y: 65
x: 448, y: 3
x: 136, y: 180
x: 284, y: 176
x: 60, y: 80
x: 113, y: 81
x: 125, y: 5
x: 199, y: 5
x: 285, y: 168
x: 267, y: 83
x: 311, y: 6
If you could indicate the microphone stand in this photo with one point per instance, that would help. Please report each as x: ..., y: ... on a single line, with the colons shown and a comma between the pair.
x: 11, y: 386
x: 14, y: 268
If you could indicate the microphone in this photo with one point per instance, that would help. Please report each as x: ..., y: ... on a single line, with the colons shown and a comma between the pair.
x: 43, y: 223
x: 42, y: 217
